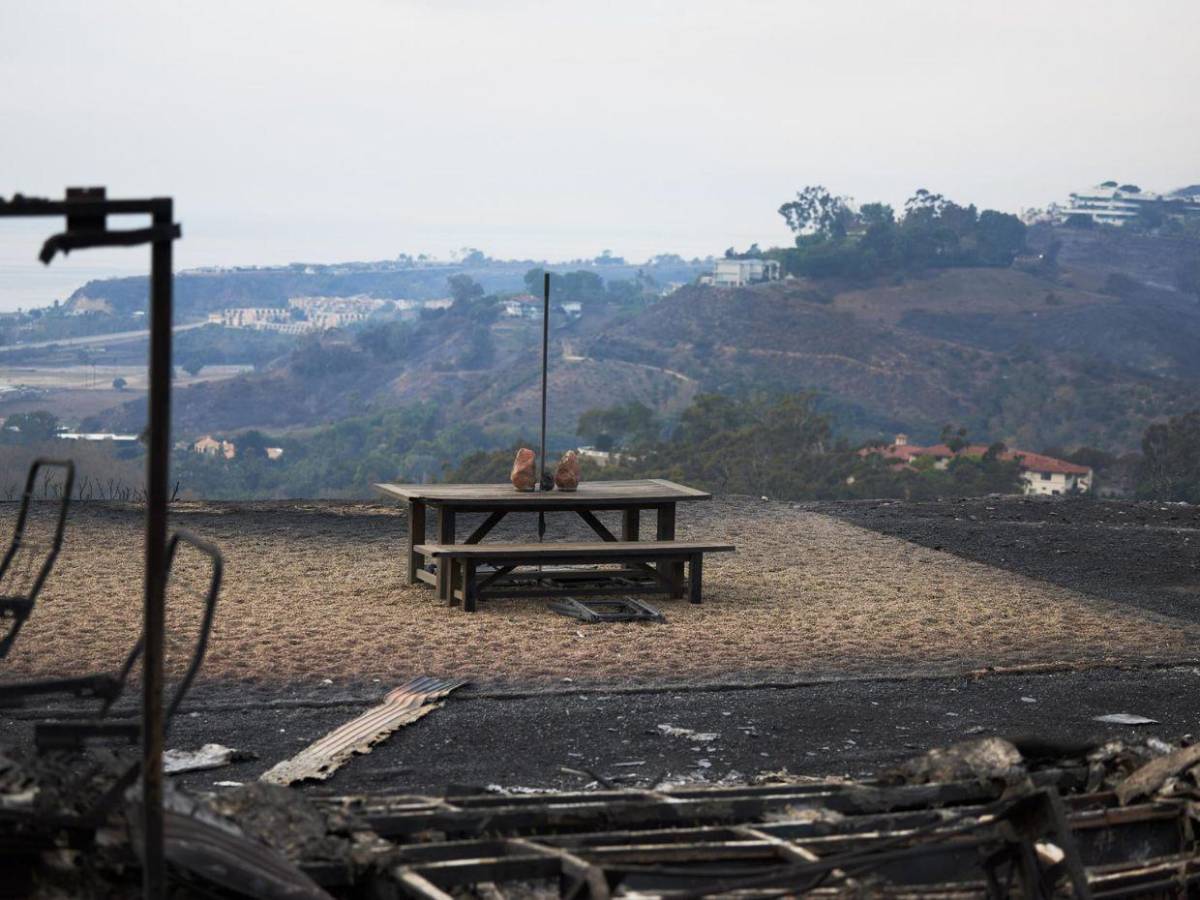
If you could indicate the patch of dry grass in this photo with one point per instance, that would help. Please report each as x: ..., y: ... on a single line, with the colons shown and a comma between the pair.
x: 318, y: 590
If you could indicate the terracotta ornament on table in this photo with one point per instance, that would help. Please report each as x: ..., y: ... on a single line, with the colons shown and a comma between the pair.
x: 523, y: 476
x: 567, y: 476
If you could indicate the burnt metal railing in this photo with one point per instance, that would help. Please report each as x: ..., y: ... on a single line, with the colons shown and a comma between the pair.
x: 86, y: 211
x: 108, y: 687
x: 21, y: 578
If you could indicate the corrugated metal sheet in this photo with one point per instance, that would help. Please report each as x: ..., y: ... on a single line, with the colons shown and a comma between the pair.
x: 401, y: 706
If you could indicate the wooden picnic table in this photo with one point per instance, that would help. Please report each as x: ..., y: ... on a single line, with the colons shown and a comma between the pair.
x: 631, y: 498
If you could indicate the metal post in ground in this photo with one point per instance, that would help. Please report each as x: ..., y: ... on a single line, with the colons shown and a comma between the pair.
x: 153, y: 623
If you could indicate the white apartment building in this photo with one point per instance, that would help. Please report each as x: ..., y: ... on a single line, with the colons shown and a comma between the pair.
x: 1113, y: 204
x: 740, y: 272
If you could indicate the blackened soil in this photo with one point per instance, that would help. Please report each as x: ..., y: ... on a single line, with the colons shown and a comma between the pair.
x: 848, y: 727
x: 1138, y: 553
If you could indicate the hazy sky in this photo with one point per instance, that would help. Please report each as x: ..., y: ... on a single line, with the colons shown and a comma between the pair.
x: 358, y: 130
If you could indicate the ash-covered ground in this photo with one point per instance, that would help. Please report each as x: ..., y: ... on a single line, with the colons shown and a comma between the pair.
x: 841, y: 638
x: 1142, y: 555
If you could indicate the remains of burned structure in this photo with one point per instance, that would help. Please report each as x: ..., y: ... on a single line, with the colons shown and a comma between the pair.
x: 1117, y: 821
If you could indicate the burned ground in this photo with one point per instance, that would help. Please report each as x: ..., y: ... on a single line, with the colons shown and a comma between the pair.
x: 822, y: 647
x: 1140, y: 555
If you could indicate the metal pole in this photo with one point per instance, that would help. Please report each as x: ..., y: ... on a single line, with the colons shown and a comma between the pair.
x: 542, y: 468
x: 153, y: 624
x: 545, y: 361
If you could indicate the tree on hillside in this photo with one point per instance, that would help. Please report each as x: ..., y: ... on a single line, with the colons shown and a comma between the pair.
x: 31, y: 427
x: 535, y: 281
x: 464, y: 289
x: 625, y: 426
x: 1187, y: 276
x: 251, y: 445
x: 924, y: 204
x: 119, y: 383
x: 954, y: 438
x: 816, y: 211
x: 1001, y: 237
x: 1171, y: 460
x: 582, y: 286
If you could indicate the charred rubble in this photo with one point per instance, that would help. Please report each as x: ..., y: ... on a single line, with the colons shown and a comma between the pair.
x: 980, y: 818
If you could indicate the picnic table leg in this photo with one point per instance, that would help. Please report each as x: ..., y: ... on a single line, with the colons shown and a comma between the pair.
x: 416, y: 535
x: 630, y: 524
x: 453, y: 577
x: 445, y: 578
x: 445, y: 536
x: 695, y: 576
x: 470, y: 587
x: 672, y: 571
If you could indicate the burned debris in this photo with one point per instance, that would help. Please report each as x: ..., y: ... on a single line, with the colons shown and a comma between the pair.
x: 1118, y: 821
x: 401, y: 706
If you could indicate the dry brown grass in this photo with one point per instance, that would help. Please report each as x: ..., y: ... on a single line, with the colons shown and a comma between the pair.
x: 318, y: 591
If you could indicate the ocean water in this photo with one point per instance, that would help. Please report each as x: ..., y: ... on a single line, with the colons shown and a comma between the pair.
x: 26, y: 283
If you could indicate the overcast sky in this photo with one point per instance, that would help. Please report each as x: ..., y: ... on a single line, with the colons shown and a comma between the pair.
x: 361, y: 129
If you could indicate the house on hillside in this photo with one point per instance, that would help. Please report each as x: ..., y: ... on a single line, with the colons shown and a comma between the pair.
x: 210, y: 446
x: 1040, y: 474
x: 603, y: 458
x: 522, y: 306
x: 740, y: 272
x: 1118, y: 204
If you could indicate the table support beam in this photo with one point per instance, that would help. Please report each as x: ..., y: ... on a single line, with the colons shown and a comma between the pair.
x: 630, y: 523
x: 416, y: 536
x: 596, y: 525
x: 671, y: 572
x: 484, y: 527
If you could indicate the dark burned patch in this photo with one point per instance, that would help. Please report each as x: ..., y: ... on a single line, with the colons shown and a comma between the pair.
x: 1142, y: 554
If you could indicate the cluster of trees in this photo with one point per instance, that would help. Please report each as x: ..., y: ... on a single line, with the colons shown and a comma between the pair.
x: 624, y: 425
x: 782, y: 447
x: 1170, y: 464
x: 213, y: 345
x: 34, y: 427
x: 589, y: 288
x: 414, y: 443
x: 387, y: 339
x: 833, y: 238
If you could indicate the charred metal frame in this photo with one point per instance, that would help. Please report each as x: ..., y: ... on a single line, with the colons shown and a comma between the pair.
x: 86, y: 211
x: 984, y: 839
x: 19, y: 608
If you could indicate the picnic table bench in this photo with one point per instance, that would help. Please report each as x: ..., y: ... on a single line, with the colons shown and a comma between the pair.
x: 647, y: 565
x: 459, y: 577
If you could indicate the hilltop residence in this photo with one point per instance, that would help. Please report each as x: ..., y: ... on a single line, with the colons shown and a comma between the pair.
x: 1117, y: 204
x: 522, y: 306
x: 740, y: 272
x: 1040, y: 474
x: 210, y: 446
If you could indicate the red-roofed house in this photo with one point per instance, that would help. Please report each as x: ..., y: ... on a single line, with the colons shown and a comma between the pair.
x: 1041, y: 474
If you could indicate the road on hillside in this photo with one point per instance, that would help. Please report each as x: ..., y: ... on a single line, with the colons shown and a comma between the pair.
x: 118, y: 337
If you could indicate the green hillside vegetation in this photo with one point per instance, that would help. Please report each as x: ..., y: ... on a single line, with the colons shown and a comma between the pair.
x: 834, y: 239
x: 782, y: 447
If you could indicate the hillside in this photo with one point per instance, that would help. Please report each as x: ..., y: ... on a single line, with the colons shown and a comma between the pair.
x: 1008, y: 354
x: 200, y: 292
x: 1056, y: 355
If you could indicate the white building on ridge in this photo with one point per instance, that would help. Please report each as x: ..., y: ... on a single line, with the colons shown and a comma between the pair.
x: 740, y: 272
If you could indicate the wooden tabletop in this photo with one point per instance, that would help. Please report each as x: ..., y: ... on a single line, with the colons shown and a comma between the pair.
x: 642, y: 491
